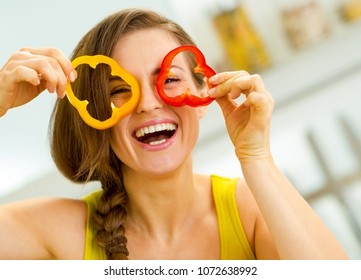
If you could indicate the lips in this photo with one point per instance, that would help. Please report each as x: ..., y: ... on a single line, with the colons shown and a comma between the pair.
x: 156, y: 134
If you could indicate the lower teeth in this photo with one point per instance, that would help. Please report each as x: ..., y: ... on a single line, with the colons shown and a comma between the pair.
x: 157, y: 142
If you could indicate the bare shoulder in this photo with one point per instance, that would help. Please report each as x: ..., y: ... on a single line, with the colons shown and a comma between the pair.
x: 50, y: 228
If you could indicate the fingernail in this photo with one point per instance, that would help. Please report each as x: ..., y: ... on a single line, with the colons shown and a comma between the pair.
x: 213, y: 79
x: 63, y: 95
x: 73, y: 75
x: 211, y: 91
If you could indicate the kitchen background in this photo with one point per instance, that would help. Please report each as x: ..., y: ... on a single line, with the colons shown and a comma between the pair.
x: 308, y: 52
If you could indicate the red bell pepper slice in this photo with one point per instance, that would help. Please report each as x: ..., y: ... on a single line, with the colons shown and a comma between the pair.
x: 186, y: 98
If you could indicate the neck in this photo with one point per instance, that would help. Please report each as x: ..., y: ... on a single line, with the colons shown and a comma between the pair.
x: 160, y: 204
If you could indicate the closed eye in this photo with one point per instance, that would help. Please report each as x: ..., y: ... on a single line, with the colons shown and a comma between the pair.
x: 121, y: 90
x: 120, y: 94
x: 117, y: 87
x: 172, y: 79
x: 172, y: 82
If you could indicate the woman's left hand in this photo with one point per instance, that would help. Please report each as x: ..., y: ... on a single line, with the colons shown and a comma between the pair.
x: 248, y: 123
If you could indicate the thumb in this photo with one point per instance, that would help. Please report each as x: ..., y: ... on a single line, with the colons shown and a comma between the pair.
x: 227, y: 104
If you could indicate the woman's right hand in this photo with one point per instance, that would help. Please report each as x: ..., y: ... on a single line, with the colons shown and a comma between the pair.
x: 30, y: 71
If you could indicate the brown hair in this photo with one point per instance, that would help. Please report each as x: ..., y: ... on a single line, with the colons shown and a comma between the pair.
x: 84, y: 154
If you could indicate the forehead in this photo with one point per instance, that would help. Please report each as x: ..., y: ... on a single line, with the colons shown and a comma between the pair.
x: 145, y: 47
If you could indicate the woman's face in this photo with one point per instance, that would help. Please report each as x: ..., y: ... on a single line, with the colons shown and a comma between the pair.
x: 155, y: 138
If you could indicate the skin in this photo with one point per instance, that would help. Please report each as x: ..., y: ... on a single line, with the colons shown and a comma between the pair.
x: 171, y: 210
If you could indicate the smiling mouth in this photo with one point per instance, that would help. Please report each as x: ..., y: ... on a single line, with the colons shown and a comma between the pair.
x: 155, y: 134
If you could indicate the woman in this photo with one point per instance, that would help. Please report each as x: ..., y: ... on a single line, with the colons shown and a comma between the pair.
x: 152, y: 205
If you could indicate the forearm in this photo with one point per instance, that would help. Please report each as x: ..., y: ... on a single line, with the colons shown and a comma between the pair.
x: 297, y: 231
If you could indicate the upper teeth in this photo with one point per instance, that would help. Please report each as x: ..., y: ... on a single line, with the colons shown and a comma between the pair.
x: 154, y: 128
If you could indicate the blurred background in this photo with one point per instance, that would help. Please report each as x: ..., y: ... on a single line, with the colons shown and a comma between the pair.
x: 308, y: 52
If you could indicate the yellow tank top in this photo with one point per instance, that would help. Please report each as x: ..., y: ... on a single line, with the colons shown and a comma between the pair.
x: 234, y: 244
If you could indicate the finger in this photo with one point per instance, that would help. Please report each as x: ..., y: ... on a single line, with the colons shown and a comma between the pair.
x: 247, y: 84
x: 227, y: 105
x: 61, y: 82
x: 223, y: 76
x: 49, y: 71
x: 63, y: 61
x: 22, y: 73
x: 61, y: 86
x: 241, y: 84
x: 258, y: 83
x: 54, y: 83
x: 260, y: 103
x: 234, y: 86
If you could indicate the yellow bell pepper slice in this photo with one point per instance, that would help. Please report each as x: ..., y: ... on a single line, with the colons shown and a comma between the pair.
x: 117, y: 112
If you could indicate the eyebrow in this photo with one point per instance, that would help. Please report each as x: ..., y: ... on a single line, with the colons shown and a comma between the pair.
x: 157, y: 70
x: 116, y: 78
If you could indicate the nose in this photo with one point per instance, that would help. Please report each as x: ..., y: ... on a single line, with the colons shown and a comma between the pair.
x: 149, y: 99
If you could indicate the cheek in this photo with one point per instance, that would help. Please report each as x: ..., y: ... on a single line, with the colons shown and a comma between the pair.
x: 118, y: 136
x: 190, y: 120
x: 121, y: 148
